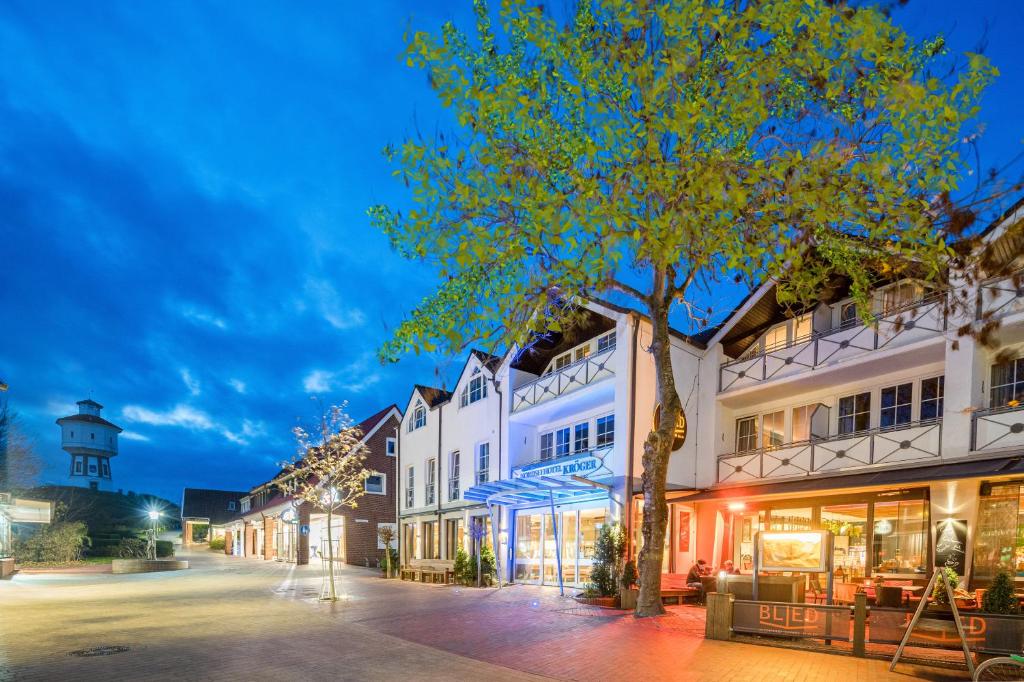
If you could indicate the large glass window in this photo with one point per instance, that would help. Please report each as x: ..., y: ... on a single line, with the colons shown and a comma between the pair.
x: 606, y: 430
x: 848, y: 523
x: 773, y: 429
x: 900, y: 543
x: 528, y: 534
x: 999, y: 539
x: 453, y: 477
x: 802, y: 328
x: 453, y: 537
x: 483, y: 462
x: 429, y: 487
x: 547, y: 445
x: 854, y: 413
x: 900, y: 295
x: 1007, y: 383
x: 562, y: 442
x: 775, y: 338
x: 581, y: 437
x: 746, y: 434
x: 896, y: 405
x: 410, y: 490
x: 431, y: 541
x: 932, y: 392
x: 792, y: 519
x: 591, y: 521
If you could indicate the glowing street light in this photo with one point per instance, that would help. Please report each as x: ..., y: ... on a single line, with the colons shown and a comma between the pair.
x: 153, y: 514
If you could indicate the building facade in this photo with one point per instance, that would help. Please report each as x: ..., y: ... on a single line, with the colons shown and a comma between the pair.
x: 271, y: 524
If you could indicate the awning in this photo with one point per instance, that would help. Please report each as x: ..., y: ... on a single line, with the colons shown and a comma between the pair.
x: 541, y: 489
x: 27, y: 511
x: 1003, y: 466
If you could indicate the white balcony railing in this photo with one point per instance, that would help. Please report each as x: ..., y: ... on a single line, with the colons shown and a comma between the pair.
x: 1000, y: 297
x: 876, y: 447
x: 910, y: 323
x: 997, y: 428
x: 579, y: 374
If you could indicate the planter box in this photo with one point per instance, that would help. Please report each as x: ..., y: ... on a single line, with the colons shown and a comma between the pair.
x: 6, y: 567
x: 606, y: 602
x: 627, y: 598
x: 146, y: 565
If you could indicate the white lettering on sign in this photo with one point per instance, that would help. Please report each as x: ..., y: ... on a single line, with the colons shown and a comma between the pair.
x: 574, y: 467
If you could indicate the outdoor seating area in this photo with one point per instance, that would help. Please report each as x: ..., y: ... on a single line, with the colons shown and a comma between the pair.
x: 429, y: 571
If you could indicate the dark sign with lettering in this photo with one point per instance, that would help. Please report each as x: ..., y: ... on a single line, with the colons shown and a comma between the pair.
x: 793, y: 620
x: 951, y: 545
x: 982, y: 631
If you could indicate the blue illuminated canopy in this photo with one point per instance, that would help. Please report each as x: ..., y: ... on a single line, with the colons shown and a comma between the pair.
x: 541, y: 489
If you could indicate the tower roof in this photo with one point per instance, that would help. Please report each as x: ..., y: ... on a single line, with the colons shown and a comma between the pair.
x: 91, y: 419
x: 90, y: 402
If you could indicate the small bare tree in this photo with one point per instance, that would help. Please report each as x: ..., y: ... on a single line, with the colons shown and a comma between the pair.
x: 329, y: 472
x: 386, y: 534
x: 20, y: 465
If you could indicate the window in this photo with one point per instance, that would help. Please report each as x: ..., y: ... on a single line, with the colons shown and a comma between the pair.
x: 802, y: 328
x: 775, y: 338
x: 453, y: 476
x: 431, y: 547
x: 896, y: 405
x: 899, y: 537
x: 72, y: 434
x: 581, y: 437
x: 802, y: 422
x: 561, y: 361
x: 374, y: 484
x: 92, y: 436
x: 932, y: 391
x: 410, y: 487
x: 78, y: 465
x: 606, y: 342
x: 581, y: 353
x: 105, y: 465
x: 431, y: 472
x: 773, y: 429
x: 419, y: 417
x: 453, y: 537
x: 606, y: 430
x: 475, y: 390
x: 848, y: 315
x: 391, y: 446
x: 899, y: 296
x: 547, y: 445
x: 483, y: 462
x: 562, y: 442
x: 1007, y: 383
x: 746, y: 434
x: 854, y: 413
x: 999, y: 538
x: 231, y: 505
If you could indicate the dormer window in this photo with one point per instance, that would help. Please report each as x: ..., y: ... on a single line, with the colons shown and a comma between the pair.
x: 419, y: 417
x: 231, y: 505
x: 473, y: 391
x: 901, y: 295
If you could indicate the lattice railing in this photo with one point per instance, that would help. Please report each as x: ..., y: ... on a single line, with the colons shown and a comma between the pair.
x: 570, y: 378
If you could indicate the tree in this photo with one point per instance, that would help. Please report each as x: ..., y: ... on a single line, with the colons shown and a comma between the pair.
x: 330, y: 474
x: 19, y: 463
x: 1000, y: 597
x: 386, y: 534
x: 653, y: 151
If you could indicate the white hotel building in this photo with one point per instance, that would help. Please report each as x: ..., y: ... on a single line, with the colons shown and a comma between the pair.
x: 883, y: 433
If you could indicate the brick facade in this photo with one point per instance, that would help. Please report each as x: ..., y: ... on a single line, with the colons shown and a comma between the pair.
x: 268, y: 538
x: 361, y: 522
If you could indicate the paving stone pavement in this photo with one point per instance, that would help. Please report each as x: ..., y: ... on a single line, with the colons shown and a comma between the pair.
x: 245, y: 619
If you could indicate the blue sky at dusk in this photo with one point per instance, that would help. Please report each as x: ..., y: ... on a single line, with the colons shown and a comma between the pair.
x: 182, y: 216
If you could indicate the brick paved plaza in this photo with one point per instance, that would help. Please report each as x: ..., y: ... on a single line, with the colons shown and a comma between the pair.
x: 239, y: 619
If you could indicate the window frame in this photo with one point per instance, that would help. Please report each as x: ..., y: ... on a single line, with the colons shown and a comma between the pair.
x: 939, y: 400
x: 894, y: 409
x: 754, y: 421
x: 1015, y: 385
x: 483, y: 462
x: 563, y: 447
x: 547, y: 450
x: 454, y: 472
x: 429, y: 484
x: 607, y: 437
x: 606, y: 342
x: 581, y: 437
x: 410, y: 486
x: 391, y: 446
x: 852, y: 415
x: 383, y: 483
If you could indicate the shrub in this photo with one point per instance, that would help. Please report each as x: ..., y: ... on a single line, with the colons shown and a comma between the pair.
x: 394, y: 563
x: 629, y: 575
x: 999, y: 597
x: 609, y: 550
x: 463, y: 574
x: 57, y: 543
x: 132, y: 548
x: 217, y: 543
x: 164, y: 548
x: 939, y: 594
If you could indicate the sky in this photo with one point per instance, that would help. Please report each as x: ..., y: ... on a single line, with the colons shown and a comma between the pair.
x: 183, y: 230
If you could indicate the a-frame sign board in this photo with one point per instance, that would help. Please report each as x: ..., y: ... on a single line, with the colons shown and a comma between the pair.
x: 939, y: 574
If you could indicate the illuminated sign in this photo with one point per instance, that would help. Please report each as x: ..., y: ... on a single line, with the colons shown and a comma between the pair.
x: 679, y: 432
x: 585, y: 465
x: 794, y: 551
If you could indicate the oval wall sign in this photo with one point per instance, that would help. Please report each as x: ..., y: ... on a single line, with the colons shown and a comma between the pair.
x: 679, y: 433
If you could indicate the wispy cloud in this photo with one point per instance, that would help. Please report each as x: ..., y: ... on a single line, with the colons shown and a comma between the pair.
x: 318, y: 381
x: 331, y: 306
x: 238, y: 385
x: 201, y: 316
x: 188, y: 417
x: 355, y: 377
x: 190, y: 382
x: 132, y: 435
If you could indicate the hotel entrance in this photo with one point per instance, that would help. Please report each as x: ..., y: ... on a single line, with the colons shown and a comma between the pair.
x: 536, y: 556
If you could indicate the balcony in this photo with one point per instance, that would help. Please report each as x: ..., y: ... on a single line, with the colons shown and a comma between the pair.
x: 1001, y: 297
x: 996, y: 429
x: 580, y: 374
x: 921, y: 320
x: 921, y: 441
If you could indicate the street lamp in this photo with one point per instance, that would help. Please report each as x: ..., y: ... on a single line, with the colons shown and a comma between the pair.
x: 151, y: 549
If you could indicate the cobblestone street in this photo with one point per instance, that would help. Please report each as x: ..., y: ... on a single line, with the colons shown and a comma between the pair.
x: 244, y: 619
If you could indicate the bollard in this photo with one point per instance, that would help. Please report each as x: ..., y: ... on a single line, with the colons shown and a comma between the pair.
x: 718, y: 624
x: 860, y: 617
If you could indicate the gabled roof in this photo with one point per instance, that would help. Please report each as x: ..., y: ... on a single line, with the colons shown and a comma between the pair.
x: 370, y: 423
x: 433, y: 396
x: 202, y: 503
x: 491, y: 362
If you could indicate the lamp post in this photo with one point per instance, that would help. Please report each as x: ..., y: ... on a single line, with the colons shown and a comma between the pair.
x: 151, y: 548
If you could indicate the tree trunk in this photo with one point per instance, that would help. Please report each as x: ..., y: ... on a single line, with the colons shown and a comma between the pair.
x: 657, y: 450
x: 330, y: 554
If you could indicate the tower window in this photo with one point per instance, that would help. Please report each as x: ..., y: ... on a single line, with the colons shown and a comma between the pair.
x: 92, y: 436
x: 78, y: 466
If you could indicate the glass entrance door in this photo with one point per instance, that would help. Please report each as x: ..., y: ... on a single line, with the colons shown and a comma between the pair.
x: 528, y: 547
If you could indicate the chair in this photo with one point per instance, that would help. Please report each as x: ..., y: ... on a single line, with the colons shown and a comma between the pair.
x: 843, y: 593
x: 889, y: 596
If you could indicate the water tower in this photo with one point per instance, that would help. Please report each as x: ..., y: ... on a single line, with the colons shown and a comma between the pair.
x: 91, y: 441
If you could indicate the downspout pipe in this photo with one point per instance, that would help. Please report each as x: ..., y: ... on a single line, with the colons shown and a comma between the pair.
x: 398, y: 494
x: 632, y: 436
x: 437, y: 484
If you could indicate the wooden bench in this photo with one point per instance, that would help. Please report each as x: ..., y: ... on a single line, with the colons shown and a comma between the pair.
x: 678, y: 594
x: 429, y: 571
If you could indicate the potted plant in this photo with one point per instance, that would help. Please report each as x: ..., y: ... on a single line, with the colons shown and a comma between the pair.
x: 1000, y: 599
x: 629, y: 592
x: 603, y: 588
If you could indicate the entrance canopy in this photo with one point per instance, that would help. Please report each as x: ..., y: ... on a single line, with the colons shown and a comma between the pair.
x: 539, y: 490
